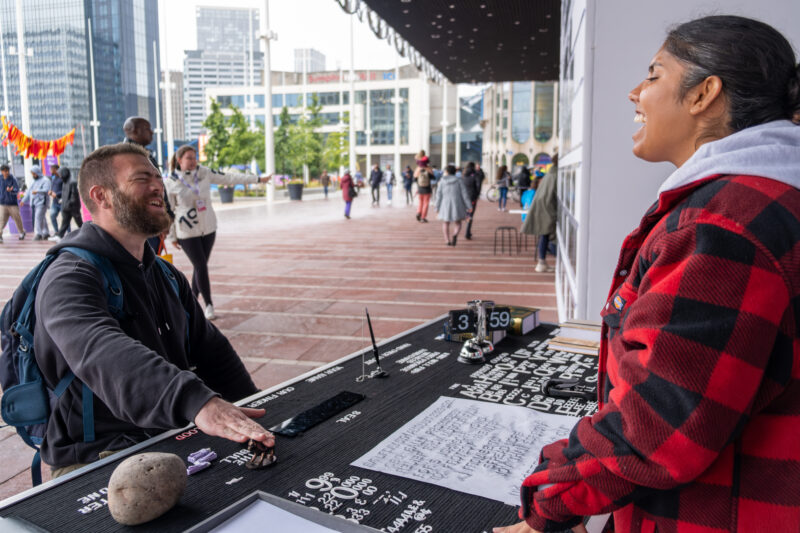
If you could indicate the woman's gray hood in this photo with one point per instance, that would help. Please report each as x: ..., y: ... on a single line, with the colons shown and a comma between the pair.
x: 770, y: 150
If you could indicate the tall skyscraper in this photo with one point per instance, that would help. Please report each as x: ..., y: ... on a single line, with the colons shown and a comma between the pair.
x: 176, y: 98
x: 224, y: 42
x: 58, y: 69
x: 315, y: 60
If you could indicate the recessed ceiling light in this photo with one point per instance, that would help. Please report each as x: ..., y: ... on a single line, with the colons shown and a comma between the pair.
x: 408, y: 25
x: 452, y: 19
x: 516, y: 23
x: 434, y: 36
x: 542, y: 30
x: 489, y: 14
x: 452, y: 6
x: 439, y: 16
x: 405, y: 11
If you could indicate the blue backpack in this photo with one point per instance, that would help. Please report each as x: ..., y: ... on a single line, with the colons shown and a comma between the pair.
x: 27, y: 401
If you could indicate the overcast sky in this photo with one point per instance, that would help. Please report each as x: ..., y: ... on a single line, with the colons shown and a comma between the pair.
x: 319, y: 24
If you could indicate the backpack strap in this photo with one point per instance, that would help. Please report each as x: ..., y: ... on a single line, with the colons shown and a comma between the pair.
x: 113, y: 287
x: 112, y: 283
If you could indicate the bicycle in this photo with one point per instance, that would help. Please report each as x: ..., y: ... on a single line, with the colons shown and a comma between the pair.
x: 493, y: 193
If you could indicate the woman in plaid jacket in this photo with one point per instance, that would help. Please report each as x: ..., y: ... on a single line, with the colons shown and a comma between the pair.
x: 698, y: 428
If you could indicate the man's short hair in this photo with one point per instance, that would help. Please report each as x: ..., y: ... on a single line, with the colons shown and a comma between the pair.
x: 4, y: 167
x: 97, y: 169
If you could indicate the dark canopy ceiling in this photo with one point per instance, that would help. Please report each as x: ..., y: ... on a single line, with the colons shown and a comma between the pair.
x: 480, y: 40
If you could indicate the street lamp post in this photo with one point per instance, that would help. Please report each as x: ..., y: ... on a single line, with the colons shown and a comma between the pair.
x: 352, y: 125
x: 269, y: 135
x: 158, y: 130
x: 95, y: 124
x: 6, y: 112
x: 23, y: 86
x: 444, y: 124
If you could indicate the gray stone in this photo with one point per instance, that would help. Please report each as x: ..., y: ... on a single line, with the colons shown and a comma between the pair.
x: 145, y: 486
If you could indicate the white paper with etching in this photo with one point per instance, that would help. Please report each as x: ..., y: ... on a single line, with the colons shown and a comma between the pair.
x: 470, y: 446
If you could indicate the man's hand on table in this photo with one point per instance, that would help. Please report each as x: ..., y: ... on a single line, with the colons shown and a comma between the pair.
x: 523, y: 527
x: 219, y: 418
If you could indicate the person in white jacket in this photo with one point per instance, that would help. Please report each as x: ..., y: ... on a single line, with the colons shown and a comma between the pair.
x: 194, y: 228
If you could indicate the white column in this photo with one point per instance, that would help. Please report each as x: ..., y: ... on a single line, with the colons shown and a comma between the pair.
x: 352, y: 102
x: 368, y: 127
x: 94, y: 123
x: 444, y: 124
x: 6, y: 111
x: 269, y: 138
x: 341, y: 113
x: 396, y: 165
x: 23, y: 86
x: 160, y: 155
x: 458, y: 129
x: 305, y: 104
x: 426, y: 115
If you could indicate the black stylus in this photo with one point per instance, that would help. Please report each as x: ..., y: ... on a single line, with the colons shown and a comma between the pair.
x: 381, y: 373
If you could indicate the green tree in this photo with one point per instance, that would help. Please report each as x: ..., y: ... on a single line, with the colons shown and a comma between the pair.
x: 337, y: 148
x: 216, y: 124
x: 243, y: 142
x: 285, y: 142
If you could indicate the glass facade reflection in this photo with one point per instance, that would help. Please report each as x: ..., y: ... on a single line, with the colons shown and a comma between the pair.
x: 521, y: 112
x: 57, y: 61
x: 544, y: 103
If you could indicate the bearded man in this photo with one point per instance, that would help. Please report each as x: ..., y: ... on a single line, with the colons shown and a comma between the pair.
x: 145, y: 374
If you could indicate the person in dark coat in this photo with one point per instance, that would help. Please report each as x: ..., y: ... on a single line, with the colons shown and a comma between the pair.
x: 139, y: 366
x: 408, y: 183
x: 56, y: 188
x: 70, y: 203
x: 9, y: 206
x: 348, y: 187
x: 473, y: 180
x: 375, y: 179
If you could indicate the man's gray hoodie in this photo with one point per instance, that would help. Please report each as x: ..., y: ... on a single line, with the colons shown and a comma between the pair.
x: 143, y: 379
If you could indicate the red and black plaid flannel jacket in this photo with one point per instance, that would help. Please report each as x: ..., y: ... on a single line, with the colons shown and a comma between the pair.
x: 699, y: 374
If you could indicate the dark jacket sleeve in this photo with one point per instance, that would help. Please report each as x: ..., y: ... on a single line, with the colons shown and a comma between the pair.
x: 137, y: 384
x: 217, y: 363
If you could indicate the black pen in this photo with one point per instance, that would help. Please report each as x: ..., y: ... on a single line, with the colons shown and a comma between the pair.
x: 380, y: 372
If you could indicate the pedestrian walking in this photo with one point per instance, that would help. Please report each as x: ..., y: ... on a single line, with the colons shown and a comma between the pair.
x: 503, y: 182
x: 390, y: 181
x: 70, y: 203
x: 194, y: 228
x: 541, y: 218
x: 349, y: 192
x: 375, y: 179
x: 56, y: 188
x: 37, y: 196
x: 452, y: 203
x: 9, y: 206
x: 423, y: 178
x: 472, y: 181
x: 325, y: 181
x: 408, y: 183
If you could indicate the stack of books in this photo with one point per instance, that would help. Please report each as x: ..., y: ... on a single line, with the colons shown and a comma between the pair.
x: 577, y: 336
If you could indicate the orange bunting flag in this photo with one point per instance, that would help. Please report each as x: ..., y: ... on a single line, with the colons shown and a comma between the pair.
x: 34, y: 147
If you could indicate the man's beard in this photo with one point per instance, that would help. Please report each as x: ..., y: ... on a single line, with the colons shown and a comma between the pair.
x: 133, y: 214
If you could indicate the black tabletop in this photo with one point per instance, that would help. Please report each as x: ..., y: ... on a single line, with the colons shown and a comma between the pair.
x: 314, y: 469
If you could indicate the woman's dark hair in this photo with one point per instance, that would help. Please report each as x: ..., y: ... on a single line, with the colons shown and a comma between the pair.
x: 451, y: 169
x: 757, y: 66
x: 470, y: 168
x: 500, y: 171
x: 173, y: 163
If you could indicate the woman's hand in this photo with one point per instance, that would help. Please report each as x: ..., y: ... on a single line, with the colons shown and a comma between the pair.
x: 176, y: 245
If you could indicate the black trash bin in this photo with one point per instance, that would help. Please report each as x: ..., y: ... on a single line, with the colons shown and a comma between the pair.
x: 295, y: 191
x: 226, y: 195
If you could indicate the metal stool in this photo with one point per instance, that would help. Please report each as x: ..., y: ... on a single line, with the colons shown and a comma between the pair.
x: 513, y: 239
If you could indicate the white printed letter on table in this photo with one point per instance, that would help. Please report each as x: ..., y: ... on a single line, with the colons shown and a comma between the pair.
x: 470, y: 446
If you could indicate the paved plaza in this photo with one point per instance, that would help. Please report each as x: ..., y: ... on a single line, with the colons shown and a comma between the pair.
x: 290, y: 282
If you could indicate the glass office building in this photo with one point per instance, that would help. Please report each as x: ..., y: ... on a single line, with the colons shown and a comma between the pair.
x: 58, y: 70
